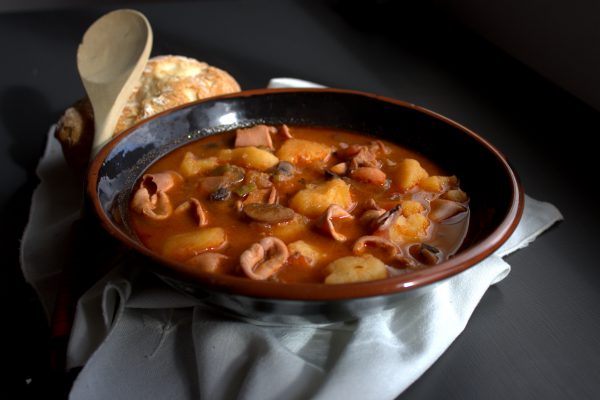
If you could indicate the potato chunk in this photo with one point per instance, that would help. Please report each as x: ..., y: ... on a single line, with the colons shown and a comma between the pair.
x: 313, y: 201
x: 410, y: 207
x: 192, y: 165
x: 409, y: 173
x: 302, y: 152
x: 456, y: 195
x: 438, y: 184
x: 355, y: 269
x: 309, y: 254
x: 411, y: 228
x: 189, y: 244
x: 249, y: 157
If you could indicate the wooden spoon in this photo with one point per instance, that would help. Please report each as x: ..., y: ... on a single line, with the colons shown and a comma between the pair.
x: 110, y: 60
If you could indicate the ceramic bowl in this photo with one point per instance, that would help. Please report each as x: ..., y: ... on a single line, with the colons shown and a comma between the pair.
x: 496, y: 197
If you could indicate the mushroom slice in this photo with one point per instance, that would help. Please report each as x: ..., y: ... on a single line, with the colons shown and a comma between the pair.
x: 225, y: 177
x: 265, y: 258
x: 269, y: 213
x: 196, y: 208
x: 220, y: 194
x: 207, y: 262
x: 285, y: 168
x: 370, y: 216
x: 384, y: 246
x: 257, y: 136
x: 326, y: 222
x: 426, y: 253
x: 211, y: 184
x: 443, y: 210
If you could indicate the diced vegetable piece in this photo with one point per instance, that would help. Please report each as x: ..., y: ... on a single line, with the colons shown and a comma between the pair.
x: 189, y: 244
x: 309, y: 253
x: 411, y: 228
x: 192, y: 165
x: 301, y: 152
x: 314, y: 201
x: 355, y: 269
x: 456, y: 195
x: 245, y: 189
x: 252, y: 157
x: 409, y: 173
x: 438, y: 184
x: 410, y: 207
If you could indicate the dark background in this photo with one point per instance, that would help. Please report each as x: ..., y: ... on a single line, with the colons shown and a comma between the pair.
x: 536, y: 334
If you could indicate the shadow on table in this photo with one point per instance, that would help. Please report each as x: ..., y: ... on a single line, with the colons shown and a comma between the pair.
x: 25, y: 115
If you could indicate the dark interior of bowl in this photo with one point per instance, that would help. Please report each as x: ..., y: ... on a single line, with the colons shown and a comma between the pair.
x: 496, y: 199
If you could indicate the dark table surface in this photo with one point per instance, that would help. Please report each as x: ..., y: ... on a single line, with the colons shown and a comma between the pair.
x: 535, y: 335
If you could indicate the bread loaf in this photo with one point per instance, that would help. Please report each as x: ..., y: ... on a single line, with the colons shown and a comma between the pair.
x: 167, y: 82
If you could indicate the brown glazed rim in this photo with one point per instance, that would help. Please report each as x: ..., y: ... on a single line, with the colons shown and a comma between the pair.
x: 313, y: 292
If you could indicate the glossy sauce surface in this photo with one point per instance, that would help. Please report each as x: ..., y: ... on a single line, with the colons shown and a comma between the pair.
x: 225, y: 206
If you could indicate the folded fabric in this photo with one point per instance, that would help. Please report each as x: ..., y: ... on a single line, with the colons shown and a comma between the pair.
x: 137, y: 338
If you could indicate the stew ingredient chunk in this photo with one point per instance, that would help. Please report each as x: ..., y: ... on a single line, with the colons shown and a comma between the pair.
x: 299, y: 204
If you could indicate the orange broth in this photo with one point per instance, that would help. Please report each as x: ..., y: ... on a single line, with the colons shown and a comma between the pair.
x: 242, y: 232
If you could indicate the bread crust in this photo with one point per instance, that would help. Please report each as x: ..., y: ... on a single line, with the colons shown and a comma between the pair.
x: 166, y: 82
x: 169, y: 81
x: 75, y: 132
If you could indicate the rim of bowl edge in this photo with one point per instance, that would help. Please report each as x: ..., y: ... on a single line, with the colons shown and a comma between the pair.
x: 319, y: 291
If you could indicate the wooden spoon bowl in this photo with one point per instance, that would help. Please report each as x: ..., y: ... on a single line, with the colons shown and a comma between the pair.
x: 110, y: 60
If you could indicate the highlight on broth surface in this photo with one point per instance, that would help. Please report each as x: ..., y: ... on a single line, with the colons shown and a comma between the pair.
x: 299, y: 204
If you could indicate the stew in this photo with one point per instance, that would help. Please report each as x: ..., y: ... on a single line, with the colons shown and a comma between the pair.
x: 299, y: 204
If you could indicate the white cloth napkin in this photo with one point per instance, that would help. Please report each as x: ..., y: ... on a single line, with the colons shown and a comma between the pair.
x: 137, y: 338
